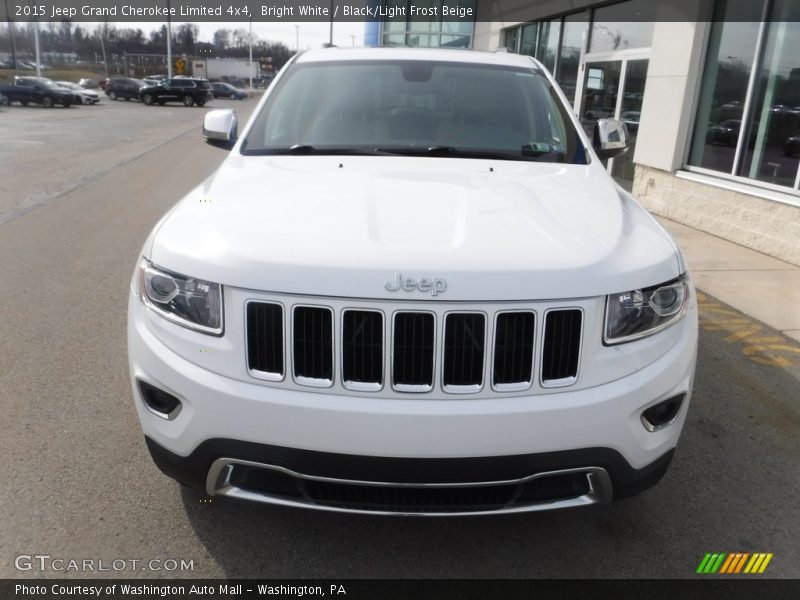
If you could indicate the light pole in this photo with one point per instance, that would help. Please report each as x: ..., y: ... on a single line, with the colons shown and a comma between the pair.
x: 250, y: 64
x: 169, y: 41
x: 296, y: 37
x: 36, y: 47
x: 330, y: 38
x: 11, y: 36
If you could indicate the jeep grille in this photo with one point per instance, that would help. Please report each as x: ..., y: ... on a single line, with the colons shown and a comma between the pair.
x: 413, y: 351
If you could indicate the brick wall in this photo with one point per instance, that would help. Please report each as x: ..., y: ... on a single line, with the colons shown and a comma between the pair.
x: 764, y: 225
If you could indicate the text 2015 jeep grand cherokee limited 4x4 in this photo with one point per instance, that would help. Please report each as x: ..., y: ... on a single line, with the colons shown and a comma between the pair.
x: 412, y: 288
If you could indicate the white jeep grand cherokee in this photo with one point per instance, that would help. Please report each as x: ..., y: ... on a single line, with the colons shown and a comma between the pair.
x: 412, y: 288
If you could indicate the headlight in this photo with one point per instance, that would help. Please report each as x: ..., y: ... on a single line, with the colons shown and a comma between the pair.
x: 639, y: 313
x: 193, y: 303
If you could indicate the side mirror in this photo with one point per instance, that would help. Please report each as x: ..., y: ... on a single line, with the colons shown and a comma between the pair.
x: 610, y: 138
x: 220, y: 127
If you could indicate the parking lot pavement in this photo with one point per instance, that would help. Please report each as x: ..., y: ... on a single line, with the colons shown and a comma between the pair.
x: 758, y: 285
x: 48, y: 152
x: 78, y: 483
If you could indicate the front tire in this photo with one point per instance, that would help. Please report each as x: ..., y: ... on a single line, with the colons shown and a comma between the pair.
x: 47, y: 102
x: 233, y: 96
x: 23, y: 102
x: 112, y: 95
x: 188, y: 101
x: 148, y: 99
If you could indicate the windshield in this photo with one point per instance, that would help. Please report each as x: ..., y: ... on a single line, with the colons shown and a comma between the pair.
x: 415, y: 107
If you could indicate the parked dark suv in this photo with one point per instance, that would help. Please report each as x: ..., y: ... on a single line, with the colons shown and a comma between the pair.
x: 36, y: 90
x: 123, y: 87
x: 180, y: 89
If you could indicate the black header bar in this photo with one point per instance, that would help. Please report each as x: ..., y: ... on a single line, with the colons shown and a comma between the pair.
x: 731, y: 588
x: 506, y: 11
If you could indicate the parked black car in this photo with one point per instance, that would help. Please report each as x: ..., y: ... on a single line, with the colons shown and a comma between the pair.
x: 186, y: 90
x: 791, y: 146
x: 726, y: 133
x: 123, y: 87
x: 36, y: 90
x: 226, y: 90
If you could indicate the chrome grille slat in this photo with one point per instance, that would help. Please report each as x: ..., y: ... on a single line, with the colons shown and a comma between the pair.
x: 413, y: 351
x: 515, y: 335
x: 464, y: 347
x: 312, y: 341
x: 362, y: 348
x: 265, y: 338
x: 447, y: 349
x: 561, y: 346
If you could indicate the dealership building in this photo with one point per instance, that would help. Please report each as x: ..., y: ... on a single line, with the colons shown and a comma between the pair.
x: 710, y: 91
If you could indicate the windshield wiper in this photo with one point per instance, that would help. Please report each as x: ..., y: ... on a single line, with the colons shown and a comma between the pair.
x: 525, y: 153
x: 453, y: 152
x: 308, y: 149
x: 447, y: 151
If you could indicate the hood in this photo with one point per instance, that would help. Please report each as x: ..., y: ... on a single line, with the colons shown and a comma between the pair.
x: 345, y: 226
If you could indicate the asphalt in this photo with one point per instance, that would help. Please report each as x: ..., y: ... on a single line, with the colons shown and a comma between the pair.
x: 78, y: 482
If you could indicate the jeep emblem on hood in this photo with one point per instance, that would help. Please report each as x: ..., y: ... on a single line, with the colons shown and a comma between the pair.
x: 409, y: 284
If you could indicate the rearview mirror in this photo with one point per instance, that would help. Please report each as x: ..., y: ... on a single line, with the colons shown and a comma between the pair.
x: 610, y: 138
x: 220, y: 127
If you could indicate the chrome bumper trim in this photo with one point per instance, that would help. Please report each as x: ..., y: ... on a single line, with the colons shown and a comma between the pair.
x: 219, y: 476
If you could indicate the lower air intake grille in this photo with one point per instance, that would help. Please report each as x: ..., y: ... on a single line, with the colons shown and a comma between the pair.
x: 410, y: 499
x: 362, y: 347
x: 513, y: 348
x: 313, y: 343
x: 562, y: 341
x: 412, y: 366
x: 397, y: 498
x: 463, y: 349
x: 265, y: 337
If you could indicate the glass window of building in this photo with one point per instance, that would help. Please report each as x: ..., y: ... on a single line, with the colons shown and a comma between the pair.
x: 623, y: 26
x: 422, y: 30
x: 570, y: 55
x: 527, y: 44
x: 750, y: 94
x: 511, y: 39
x: 426, y: 31
x: 772, y: 138
x: 394, y: 28
x: 456, y: 34
x: 547, y: 44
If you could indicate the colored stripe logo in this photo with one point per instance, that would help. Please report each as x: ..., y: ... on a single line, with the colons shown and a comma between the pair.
x: 734, y: 563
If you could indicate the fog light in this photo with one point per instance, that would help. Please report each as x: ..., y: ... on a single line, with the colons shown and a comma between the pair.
x: 662, y: 414
x: 158, y: 401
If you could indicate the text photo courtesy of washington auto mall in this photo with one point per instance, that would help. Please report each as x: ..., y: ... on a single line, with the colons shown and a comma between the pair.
x: 399, y: 298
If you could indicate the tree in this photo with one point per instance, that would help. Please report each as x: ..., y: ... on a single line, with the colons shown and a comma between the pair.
x: 240, y: 38
x: 158, y: 37
x: 222, y: 39
x: 186, y: 37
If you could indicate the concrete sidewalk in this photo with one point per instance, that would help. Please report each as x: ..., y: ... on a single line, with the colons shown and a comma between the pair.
x: 758, y: 285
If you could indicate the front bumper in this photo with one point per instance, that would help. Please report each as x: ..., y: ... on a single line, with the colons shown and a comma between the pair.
x: 410, y: 486
x: 358, y: 439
